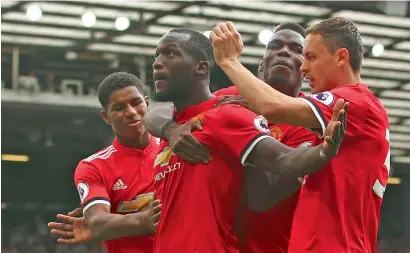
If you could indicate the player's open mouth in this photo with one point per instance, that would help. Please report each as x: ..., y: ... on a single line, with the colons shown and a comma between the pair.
x: 311, y: 81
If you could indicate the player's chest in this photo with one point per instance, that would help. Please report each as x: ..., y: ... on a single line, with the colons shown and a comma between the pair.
x: 131, y: 187
x: 166, y: 164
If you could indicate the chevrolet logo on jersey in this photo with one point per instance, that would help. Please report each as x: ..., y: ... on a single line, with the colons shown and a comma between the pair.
x: 163, y: 158
x: 140, y: 203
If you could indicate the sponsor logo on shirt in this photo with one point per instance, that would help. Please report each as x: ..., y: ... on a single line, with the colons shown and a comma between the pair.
x: 139, y: 204
x: 119, y: 185
x: 82, y: 190
x: 261, y: 124
x: 324, y: 97
x: 162, y: 160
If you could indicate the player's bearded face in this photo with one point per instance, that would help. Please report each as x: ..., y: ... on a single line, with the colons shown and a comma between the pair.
x: 125, y: 112
x: 172, y: 69
x: 283, y: 58
x: 320, y: 66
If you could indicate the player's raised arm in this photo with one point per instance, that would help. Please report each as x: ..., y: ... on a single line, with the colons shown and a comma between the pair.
x: 273, y: 105
x: 96, y: 206
x: 283, y: 164
x: 159, y: 122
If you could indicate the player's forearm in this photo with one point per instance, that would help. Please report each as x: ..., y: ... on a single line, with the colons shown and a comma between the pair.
x: 264, y: 191
x: 273, y: 105
x: 299, y: 162
x: 155, y: 120
x: 112, y: 226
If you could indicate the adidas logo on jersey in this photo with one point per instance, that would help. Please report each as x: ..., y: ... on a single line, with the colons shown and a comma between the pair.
x: 119, y: 185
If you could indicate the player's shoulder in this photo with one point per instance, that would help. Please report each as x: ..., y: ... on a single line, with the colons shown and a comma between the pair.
x: 353, y: 93
x: 103, y: 154
x: 97, y: 160
x: 231, y: 90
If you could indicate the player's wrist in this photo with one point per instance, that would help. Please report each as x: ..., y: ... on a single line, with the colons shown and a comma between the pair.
x: 165, y: 128
x: 229, y: 63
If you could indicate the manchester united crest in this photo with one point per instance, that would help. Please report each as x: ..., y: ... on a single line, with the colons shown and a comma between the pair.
x: 276, y: 132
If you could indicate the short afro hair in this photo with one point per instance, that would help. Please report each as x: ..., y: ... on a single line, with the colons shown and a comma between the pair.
x: 291, y: 26
x: 115, y: 81
x: 201, y: 46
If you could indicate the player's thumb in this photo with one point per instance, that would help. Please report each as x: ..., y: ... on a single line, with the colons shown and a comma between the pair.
x: 196, y: 125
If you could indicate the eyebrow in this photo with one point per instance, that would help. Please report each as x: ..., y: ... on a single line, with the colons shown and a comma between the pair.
x: 281, y: 41
x: 134, y: 99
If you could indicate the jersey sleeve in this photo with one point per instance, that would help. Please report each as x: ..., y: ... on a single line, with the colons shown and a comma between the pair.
x: 90, y: 186
x: 299, y: 137
x: 238, y: 130
x: 322, y: 105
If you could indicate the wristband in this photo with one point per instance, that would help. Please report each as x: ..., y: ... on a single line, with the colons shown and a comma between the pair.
x: 165, y: 128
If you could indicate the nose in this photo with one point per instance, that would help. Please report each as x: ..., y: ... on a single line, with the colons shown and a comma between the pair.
x: 304, y: 67
x: 131, y: 111
x: 284, y: 52
x: 158, y: 64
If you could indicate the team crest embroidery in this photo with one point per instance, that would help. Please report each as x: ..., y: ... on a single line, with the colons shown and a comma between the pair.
x: 261, y: 124
x: 163, y: 158
x: 324, y: 97
x: 82, y: 190
x: 198, y: 117
x: 276, y: 132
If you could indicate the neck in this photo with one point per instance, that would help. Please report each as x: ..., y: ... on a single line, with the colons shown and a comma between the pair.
x: 291, y: 92
x: 140, y: 142
x: 200, y: 93
x: 348, y: 77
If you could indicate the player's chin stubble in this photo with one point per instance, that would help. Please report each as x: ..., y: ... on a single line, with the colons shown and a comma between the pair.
x: 278, y: 80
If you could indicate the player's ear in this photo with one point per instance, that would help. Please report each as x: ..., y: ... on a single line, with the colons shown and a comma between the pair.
x: 261, y: 67
x: 105, y: 117
x: 342, y: 56
x: 203, y: 68
x: 147, y: 101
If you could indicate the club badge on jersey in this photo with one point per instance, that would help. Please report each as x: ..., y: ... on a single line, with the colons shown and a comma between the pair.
x: 326, y: 97
x: 261, y: 124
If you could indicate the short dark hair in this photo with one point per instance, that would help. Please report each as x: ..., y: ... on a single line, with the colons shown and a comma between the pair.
x: 291, y: 26
x: 115, y: 81
x: 201, y: 46
x: 339, y: 33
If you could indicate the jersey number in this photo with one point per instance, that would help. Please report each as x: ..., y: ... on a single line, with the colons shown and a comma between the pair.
x: 378, y: 187
x: 140, y: 203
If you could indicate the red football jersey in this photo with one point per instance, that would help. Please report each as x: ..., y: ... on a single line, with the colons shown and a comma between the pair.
x: 339, y: 205
x: 122, y: 178
x: 201, y: 203
x: 270, y: 231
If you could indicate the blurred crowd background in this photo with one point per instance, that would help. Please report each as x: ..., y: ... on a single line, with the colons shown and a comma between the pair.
x: 54, y: 54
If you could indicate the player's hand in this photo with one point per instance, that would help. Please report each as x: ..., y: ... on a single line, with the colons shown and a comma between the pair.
x: 227, y: 43
x: 335, y: 130
x: 236, y: 100
x: 154, y: 212
x: 73, y: 230
x: 78, y: 212
x: 184, y: 144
